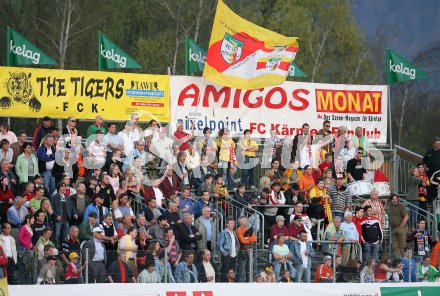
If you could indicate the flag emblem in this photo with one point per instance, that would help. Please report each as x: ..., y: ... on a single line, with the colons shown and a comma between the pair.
x: 231, y: 49
x: 273, y: 64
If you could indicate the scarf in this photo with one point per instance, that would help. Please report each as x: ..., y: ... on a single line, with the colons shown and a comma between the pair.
x: 422, y: 242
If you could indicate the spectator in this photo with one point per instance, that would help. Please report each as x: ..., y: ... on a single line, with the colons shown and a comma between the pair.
x: 282, y: 257
x: 294, y: 172
x: 383, y: 268
x: 5, y: 150
x: 158, y: 231
x: 188, y: 234
x: 200, y: 172
x: 51, y: 251
x: 6, y: 196
x: 226, y: 157
x: 87, y: 226
x: 97, y: 207
x: 172, y: 214
x: 355, y: 170
x: 25, y: 235
x: 248, y: 149
x: 70, y: 245
x: 43, y: 241
x: 229, y: 246
x: 278, y: 228
x: 334, y: 233
x: 128, y: 246
x: 205, y: 269
x: 138, y: 152
x: 396, y: 276
x: 319, y: 203
x: 192, y: 157
x: 295, y: 227
x: 427, y: 272
x: 112, y: 140
x: 123, y: 227
x: 80, y: 201
x: 326, y: 165
x: 285, y: 277
x: 73, y: 272
x: 206, y: 227
x: 307, y: 182
x: 340, y: 138
x: 7, y: 242
x: 357, y: 218
x: 302, y: 252
x: 245, y: 234
x: 173, y: 248
x: 293, y: 195
x: 181, y: 171
x: 155, y: 191
x: 230, y: 276
x: 422, y: 241
x: 324, y: 272
x: 137, y: 130
x: 110, y: 235
x: 38, y: 226
x: 299, y: 139
x: 123, y: 209
x: 3, y: 263
x: 268, y: 275
x: 407, y: 265
x: 149, y: 275
x: 46, y: 209
x: 48, y: 273
x: 372, y: 234
x: 142, y: 246
x: 17, y: 212
x: 431, y: 162
x: 106, y: 191
x: 152, y: 213
x: 201, y: 203
x: 98, y: 125
x: 6, y: 134
x: 186, y: 272
x: 97, y: 257
x: 367, y: 273
x: 340, y: 197
x: 326, y: 134
x: 64, y: 213
x: 120, y: 272
x: 349, y: 251
x: 46, y: 161
x: 375, y: 203
x: 8, y: 173
x: 127, y: 137
x: 182, y: 137
x: 27, y: 165
x: 170, y: 185
x: 275, y: 197
x: 70, y: 131
x: 185, y: 203
x: 41, y: 131
x: 398, y: 219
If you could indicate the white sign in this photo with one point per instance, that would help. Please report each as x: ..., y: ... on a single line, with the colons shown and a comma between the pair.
x: 284, y: 108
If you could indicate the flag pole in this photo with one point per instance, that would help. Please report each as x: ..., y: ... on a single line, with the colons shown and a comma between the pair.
x: 389, y: 115
x: 8, y: 50
x: 186, y: 58
x: 99, y: 51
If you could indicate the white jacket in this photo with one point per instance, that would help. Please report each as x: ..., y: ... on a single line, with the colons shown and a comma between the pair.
x: 13, y: 246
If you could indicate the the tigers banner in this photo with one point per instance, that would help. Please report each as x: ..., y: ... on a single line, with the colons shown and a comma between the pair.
x: 244, y: 55
x: 283, y: 108
x: 26, y: 92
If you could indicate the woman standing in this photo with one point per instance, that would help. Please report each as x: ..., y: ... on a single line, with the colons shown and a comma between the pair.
x: 226, y: 157
x: 26, y: 166
x: 114, y: 178
x: 25, y: 234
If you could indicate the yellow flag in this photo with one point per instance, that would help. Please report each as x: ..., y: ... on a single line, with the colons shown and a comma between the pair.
x: 246, y: 56
x: 4, y: 287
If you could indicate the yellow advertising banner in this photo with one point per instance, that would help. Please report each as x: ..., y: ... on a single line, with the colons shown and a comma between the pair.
x: 4, y: 287
x: 28, y: 92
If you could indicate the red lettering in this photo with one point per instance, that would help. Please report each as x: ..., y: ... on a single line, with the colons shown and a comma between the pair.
x: 281, y: 104
x: 296, y: 95
x: 189, y: 92
x: 259, y: 127
x: 237, y: 99
x: 216, y: 95
x: 257, y: 103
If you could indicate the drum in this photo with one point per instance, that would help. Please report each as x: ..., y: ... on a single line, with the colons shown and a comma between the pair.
x: 383, y: 188
x: 359, y: 188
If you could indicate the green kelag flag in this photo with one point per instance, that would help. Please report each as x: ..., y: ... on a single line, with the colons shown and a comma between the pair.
x: 111, y: 56
x: 295, y: 71
x: 399, y: 69
x: 20, y: 51
x: 195, y: 57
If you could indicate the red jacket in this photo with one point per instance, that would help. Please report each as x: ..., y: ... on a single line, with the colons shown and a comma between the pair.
x: 5, y: 196
x: 323, y: 273
x: 3, y: 261
x: 168, y: 189
x: 149, y: 193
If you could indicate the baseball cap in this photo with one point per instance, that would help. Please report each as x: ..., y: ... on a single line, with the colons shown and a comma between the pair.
x: 279, y: 218
x: 98, y: 229
x: 46, y: 118
x: 339, y: 176
x: 129, y: 123
x: 297, y: 217
x: 327, y: 258
x: 51, y: 257
x: 73, y: 255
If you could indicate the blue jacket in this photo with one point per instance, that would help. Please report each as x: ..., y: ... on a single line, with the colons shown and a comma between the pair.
x: 43, y: 157
x: 405, y: 270
x: 295, y: 249
x: 224, y: 243
x: 199, y: 205
x: 58, y: 207
x: 182, y: 272
x: 93, y: 208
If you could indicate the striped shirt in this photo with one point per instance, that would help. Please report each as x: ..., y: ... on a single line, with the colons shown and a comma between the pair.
x: 341, y: 199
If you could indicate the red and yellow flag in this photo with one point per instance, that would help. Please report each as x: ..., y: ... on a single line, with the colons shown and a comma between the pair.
x: 246, y: 56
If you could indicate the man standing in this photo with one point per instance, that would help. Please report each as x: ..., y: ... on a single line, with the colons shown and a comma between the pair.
x: 17, y: 147
x: 86, y: 227
x: 355, y: 170
x: 182, y: 137
x: 97, y: 257
x: 422, y: 241
x: 340, y: 197
x: 302, y: 251
x: 64, y: 212
x: 128, y: 246
x: 372, y: 234
x: 359, y: 140
x: 41, y: 132
x: 326, y: 132
x: 127, y: 137
x: 186, y: 272
x: 351, y: 235
x: 81, y: 201
x: 112, y: 140
x: 229, y: 246
x: 7, y: 242
x: 431, y: 161
x: 249, y: 149
x: 205, y: 268
x: 46, y: 161
x: 206, y: 227
x: 98, y: 125
x: 398, y: 216
x: 188, y: 234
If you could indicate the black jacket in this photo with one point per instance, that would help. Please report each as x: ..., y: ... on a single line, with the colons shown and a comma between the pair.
x: 183, y: 235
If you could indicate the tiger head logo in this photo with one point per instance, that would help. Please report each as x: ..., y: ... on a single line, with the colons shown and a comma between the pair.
x: 20, y: 90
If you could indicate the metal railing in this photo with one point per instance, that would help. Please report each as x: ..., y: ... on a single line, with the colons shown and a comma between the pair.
x: 403, y: 161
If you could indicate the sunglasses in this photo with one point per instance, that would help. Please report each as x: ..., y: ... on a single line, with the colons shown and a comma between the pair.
x: 72, y: 120
x: 327, y: 125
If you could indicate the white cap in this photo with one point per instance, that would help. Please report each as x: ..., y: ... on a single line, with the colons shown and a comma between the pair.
x: 98, y: 229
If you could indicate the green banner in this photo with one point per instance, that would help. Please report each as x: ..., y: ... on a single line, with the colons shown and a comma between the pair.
x: 410, y: 291
x: 295, y: 71
x: 399, y: 69
x: 195, y: 57
x: 20, y: 51
x: 111, y: 56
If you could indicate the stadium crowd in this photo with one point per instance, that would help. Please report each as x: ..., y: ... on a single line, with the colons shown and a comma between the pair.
x: 139, y: 206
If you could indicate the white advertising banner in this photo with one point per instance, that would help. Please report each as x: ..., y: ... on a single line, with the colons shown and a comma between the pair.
x: 285, y: 108
x: 224, y: 289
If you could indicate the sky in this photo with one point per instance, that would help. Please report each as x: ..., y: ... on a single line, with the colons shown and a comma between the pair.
x: 418, y: 22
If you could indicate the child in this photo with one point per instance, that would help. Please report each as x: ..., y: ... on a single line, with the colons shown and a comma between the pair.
x: 285, y: 277
x: 72, y: 272
x: 149, y: 275
x: 48, y: 273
